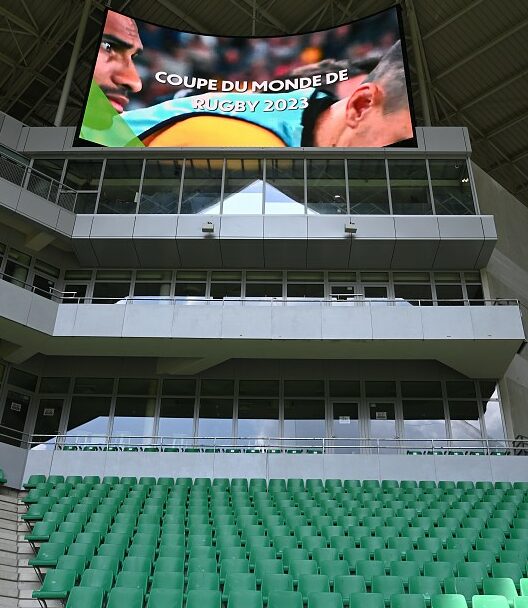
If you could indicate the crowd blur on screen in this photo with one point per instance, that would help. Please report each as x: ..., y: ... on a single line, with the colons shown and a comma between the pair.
x: 258, y: 59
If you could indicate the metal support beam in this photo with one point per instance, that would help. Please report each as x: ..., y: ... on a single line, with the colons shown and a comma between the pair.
x: 482, y: 49
x: 420, y: 71
x: 28, y: 27
x: 196, y: 25
x: 271, y: 19
x: 73, y: 64
x: 513, y: 159
x: 452, y: 19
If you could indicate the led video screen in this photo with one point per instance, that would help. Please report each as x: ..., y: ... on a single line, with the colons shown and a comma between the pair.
x: 345, y: 87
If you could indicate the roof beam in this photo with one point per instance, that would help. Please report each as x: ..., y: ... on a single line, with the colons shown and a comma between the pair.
x: 265, y: 13
x: 452, y: 19
x: 195, y: 24
x: 514, y: 159
x: 503, y: 127
x: 18, y: 21
x: 482, y: 49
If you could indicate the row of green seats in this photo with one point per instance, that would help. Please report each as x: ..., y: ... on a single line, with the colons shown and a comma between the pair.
x: 289, y: 484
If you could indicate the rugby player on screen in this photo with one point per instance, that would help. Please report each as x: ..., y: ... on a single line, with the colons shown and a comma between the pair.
x: 375, y: 114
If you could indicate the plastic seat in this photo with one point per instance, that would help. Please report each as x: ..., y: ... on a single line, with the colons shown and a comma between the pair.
x: 402, y: 544
x: 507, y: 570
x: 500, y: 586
x: 420, y: 556
x: 277, y: 582
x: 333, y: 568
x: 407, y: 600
x: 366, y: 600
x: 132, y: 580
x: 441, y: 570
x: 448, y: 601
x: 102, y: 579
x: 490, y: 601
x: 370, y: 568
x: 267, y: 566
x: 425, y: 585
x: 462, y: 586
x: 404, y: 570
x: 167, y: 580
x: 85, y: 597
x: 283, y: 599
x: 161, y: 598
x: 48, y: 555
x: 309, y: 583
x: 322, y: 599
x: 475, y: 570
x: 56, y: 585
x: 209, y: 581
x: 483, y: 557
x: 125, y: 596
x: 387, y: 556
x: 387, y: 586
x: 197, y: 564
x: 302, y: 566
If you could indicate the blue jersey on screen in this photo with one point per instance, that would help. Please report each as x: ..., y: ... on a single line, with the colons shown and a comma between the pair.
x: 287, y: 124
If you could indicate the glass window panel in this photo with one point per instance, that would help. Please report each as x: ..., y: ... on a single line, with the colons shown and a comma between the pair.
x: 465, y: 422
x: 83, y: 174
x: 409, y: 187
x: 243, y: 187
x: 177, y: 386
x: 380, y: 389
x: 218, y: 388
x: 88, y: 419
x: 51, y: 167
x: 258, y: 388
x: 375, y: 277
x: 263, y: 290
x: 153, y: 290
x: 414, y: 294
x: 304, y: 419
x: 215, y: 419
x: 54, y: 385
x: 342, y: 277
x: 19, y: 257
x: 161, y: 186
x: 191, y: 275
x: 15, y: 273
x: 120, y: 189
x: 460, y: 388
x: 472, y: 277
x: 153, y: 275
x: 367, y: 187
x: 304, y: 388
x: 447, y: 277
x: 114, y: 275
x: 305, y: 290
x: 45, y: 176
x: 93, y: 386
x: 382, y: 422
x: 449, y: 295
x: 225, y: 290
x: 226, y: 275
x: 189, y: 289
x: 421, y: 388
x: 46, y: 268
x: 493, y: 419
x: 284, y: 191
x: 451, y: 187
x: 137, y: 386
x: 14, y: 417
x: 304, y: 277
x: 344, y: 388
x: 22, y: 379
x: 78, y: 275
x: 258, y: 418
x: 411, y: 277
x: 424, y: 419
x: 43, y: 286
x: 346, y: 425
x: 133, y: 419
x: 475, y: 294
x: 75, y: 293
x: 176, y: 418
x: 47, y: 422
x: 202, y: 185
x: 264, y: 275
x: 488, y: 389
x: 108, y: 293
x: 326, y: 186
x: 85, y: 202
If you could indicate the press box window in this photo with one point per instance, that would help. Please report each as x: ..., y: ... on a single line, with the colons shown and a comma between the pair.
x: 225, y: 284
x: 305, y: 284
x: 111, y: 285
x: 152, y: 283
x: 263, y: 284
x: 190, y: 284
x: 76, y: 284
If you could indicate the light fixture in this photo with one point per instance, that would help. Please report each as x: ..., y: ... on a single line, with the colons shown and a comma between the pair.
x: 350, y: 228
x: 465, y: 180
x: 208, y: 227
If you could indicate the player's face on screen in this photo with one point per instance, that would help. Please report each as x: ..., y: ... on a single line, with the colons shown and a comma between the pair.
x: 115, y: 70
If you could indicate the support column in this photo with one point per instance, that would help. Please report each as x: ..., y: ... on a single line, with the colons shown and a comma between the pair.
x: 420, y: 68
x: 73, y: 64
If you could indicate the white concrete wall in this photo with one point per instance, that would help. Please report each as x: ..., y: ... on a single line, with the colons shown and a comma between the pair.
x: 507, y: 273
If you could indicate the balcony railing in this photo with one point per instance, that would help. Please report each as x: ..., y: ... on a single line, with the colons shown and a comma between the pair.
x: 38, y: 183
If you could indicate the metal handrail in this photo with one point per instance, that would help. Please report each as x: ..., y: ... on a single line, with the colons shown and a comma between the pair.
x: 264, y: 444
x: 38, y: 183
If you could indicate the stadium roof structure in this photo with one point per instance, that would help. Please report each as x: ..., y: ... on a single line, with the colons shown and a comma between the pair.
x: 471, y: 55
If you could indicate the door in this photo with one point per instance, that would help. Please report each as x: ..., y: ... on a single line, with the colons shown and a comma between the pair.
x: 382, y: 426
x: 47, y: 423
x: 345, y: 432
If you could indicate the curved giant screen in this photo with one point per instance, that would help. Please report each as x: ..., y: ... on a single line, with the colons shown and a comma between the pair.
x: 343, y: 87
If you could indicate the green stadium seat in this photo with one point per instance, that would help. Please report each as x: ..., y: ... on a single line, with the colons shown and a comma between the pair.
x: 366, y: 600
x: 333, y: 568
x: 85, y: 597
x: 132, y: 580
x: 475, y: 570
x: 57, y: 585
x: 428, y: 586
x: 407, y: 601
x: 507, y: 570
x: 302, y: 566
x: 125, y: 596
x: 48, y: 555
x: 167, y: 580
x: 448, y: 601
x: 462, y: 586
x: 441, y: 570
x: 285, y: 599
x: 33, y: 481
x: 203, y: 581
x: 102, y: 579
x: 272, y: 581
x: 163, y: 598
x: 370, y: 568
x: 490, y: 601
x: 322, y: 599
x: 201, y: 598
x: 387, y: 586
x: 500, y: 586
x: 309, y: 583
